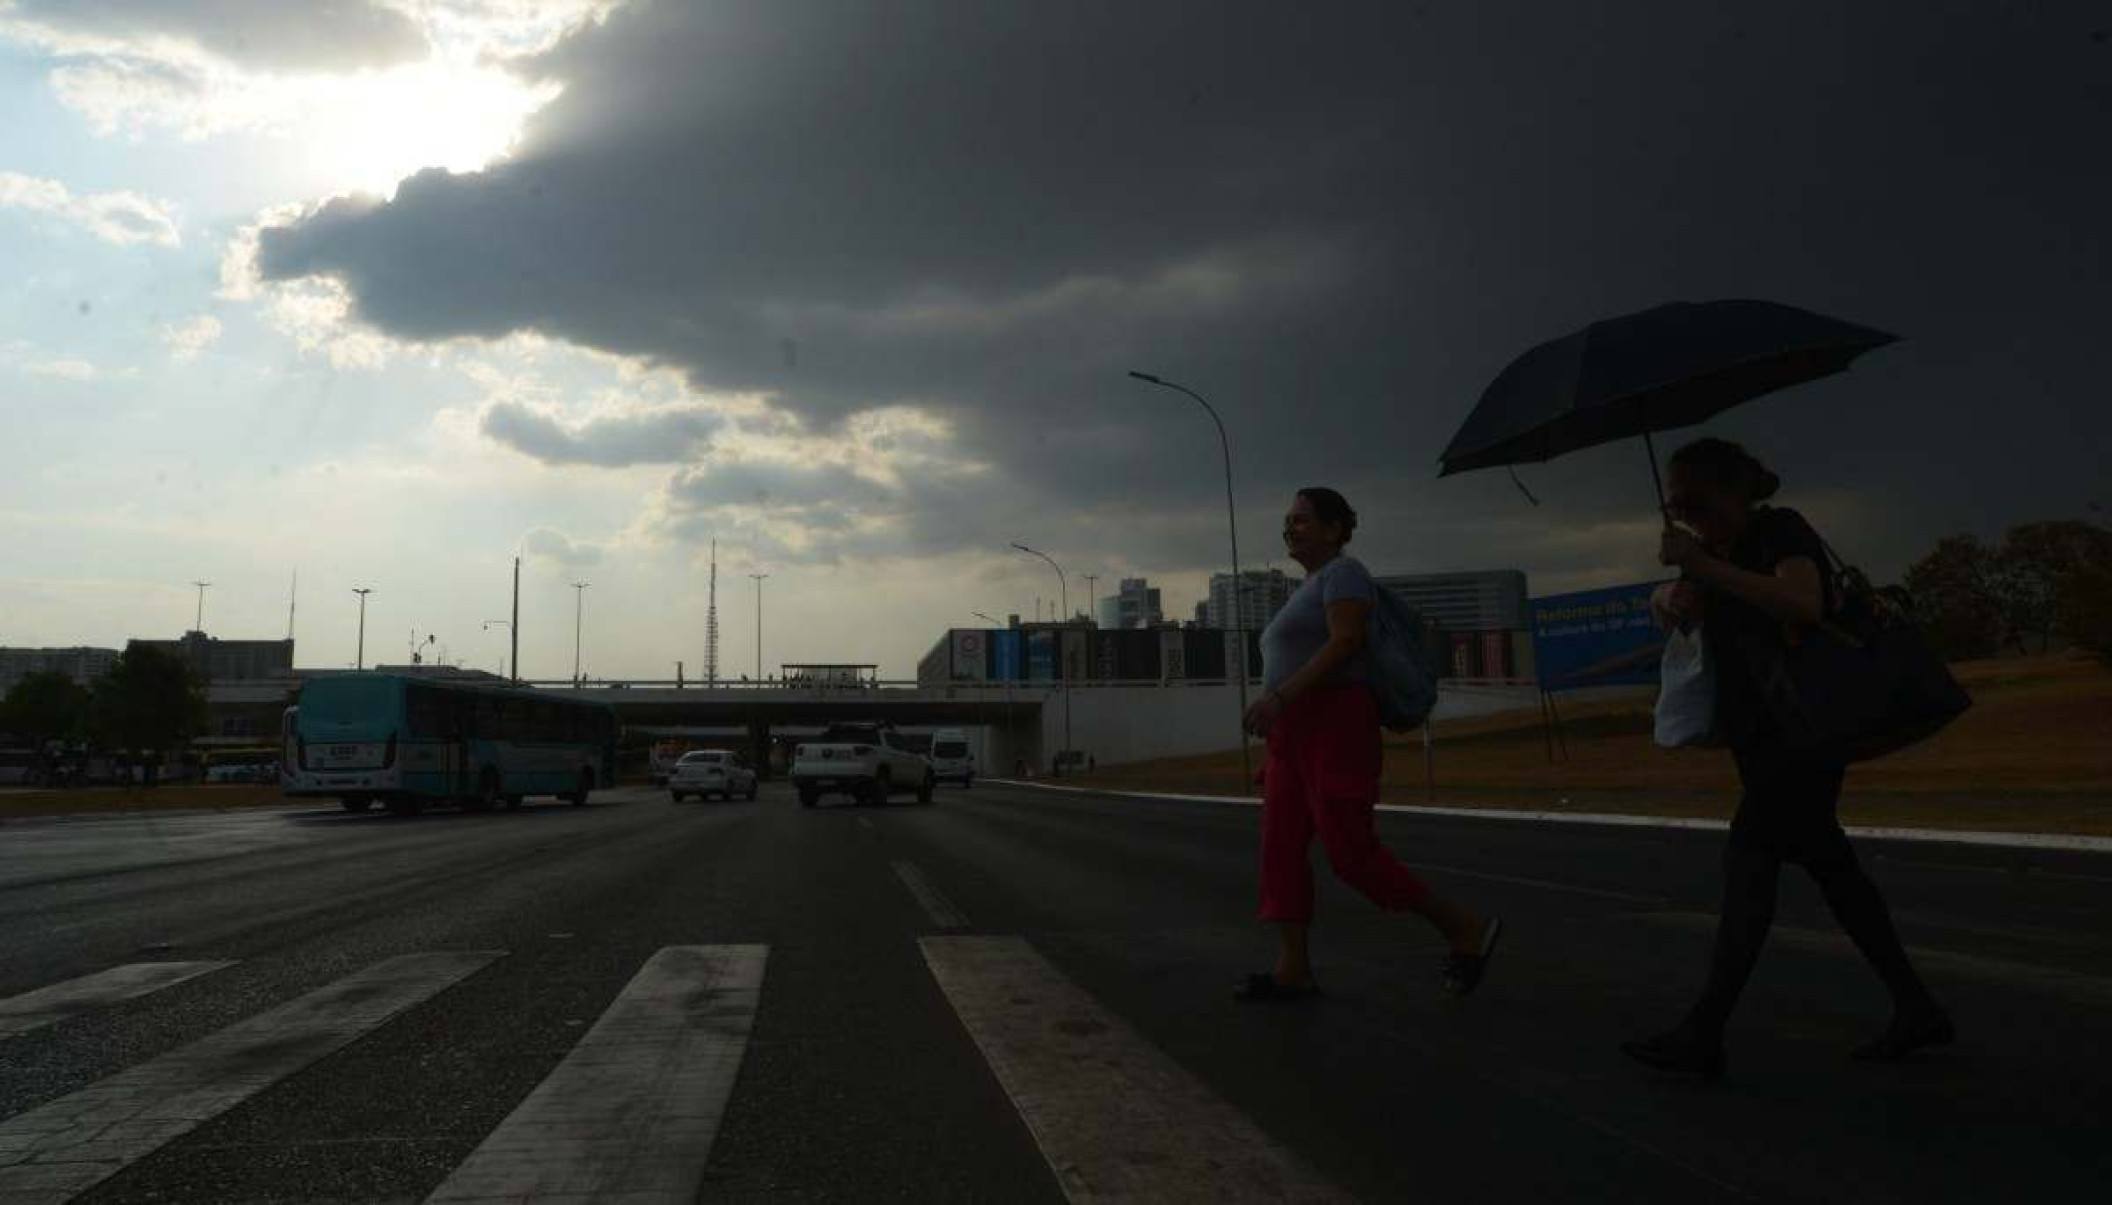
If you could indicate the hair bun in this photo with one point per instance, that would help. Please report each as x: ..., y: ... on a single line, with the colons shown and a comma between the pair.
x: 1765, y: 484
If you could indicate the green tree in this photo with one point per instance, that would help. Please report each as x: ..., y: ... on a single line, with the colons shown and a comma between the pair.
x: 44, y: 707
x: 148, y: 704
x: 2039, y: 577
x: 1955, y: 598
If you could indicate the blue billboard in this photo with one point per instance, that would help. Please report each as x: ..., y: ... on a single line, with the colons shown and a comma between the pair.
x: 1596, y: 638
x: 1004, y: 655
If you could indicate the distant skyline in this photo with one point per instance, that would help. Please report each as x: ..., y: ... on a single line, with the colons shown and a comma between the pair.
x: 387, y: 291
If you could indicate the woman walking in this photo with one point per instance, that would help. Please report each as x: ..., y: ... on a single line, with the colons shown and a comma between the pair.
x: 1751, y: 576
x: 1322, y: 773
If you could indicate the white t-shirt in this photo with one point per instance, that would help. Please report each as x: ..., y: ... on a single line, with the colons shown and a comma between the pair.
x: 1299, y: 630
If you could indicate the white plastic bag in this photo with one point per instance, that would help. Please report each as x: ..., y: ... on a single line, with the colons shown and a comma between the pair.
x: 1686, y: 697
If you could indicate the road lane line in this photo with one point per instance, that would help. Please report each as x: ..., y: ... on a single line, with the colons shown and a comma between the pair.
x: 936, y: 906
x: 66, y: 1146
x: 1544, y: 884
x: 1936, y: 836
x: 2071, y: 985
x: 631, y: 1113
x: 1115, y: 1117
x: 58, y: 1001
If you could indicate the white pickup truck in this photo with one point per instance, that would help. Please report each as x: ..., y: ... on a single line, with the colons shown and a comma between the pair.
x: 868, y: 762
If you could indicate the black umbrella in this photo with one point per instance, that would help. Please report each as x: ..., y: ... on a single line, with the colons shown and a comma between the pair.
x: 1672, y: 366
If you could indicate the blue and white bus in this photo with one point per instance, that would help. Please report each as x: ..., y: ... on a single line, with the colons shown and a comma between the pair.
x: 408, y: 742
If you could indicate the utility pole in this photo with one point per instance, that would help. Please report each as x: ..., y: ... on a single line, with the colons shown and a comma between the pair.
x: 758, y: 623
x: 361, y: 661
x: 292, y: 595
x: 513, y: 626
x: 1092, y: 598
x: 711, y: 621
x: 198, y: 624
x: 579, y: 607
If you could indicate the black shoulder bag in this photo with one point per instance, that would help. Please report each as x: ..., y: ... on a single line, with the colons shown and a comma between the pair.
x: 1861, y: 684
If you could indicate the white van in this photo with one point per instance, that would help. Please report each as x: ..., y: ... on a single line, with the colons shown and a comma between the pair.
x: 950, y: 759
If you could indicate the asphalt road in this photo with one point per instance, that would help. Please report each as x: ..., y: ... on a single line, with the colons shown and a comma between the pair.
x: 1011, y: 995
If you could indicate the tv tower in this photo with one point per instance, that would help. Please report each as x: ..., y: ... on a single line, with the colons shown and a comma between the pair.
x: 711, y: 622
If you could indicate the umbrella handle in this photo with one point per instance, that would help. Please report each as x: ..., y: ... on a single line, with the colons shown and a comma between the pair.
x: 1656, y: 477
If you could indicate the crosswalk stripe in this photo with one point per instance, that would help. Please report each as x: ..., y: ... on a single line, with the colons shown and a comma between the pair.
x: 1116, y: 1118
x: 941, y: 910
x: 34, y: 1010
x: 631, y: 1113
x: 66, y: 1146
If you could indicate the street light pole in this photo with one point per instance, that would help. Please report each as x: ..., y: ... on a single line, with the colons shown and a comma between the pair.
x: 1063, y: 592
x: 1092, y: 597
x: 361, y: 661
x: 758, y: 579
x: 579, y: 607
x: 1239, y: 619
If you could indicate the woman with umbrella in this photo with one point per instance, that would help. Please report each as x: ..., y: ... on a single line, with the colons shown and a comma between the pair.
x: 1750, y: 576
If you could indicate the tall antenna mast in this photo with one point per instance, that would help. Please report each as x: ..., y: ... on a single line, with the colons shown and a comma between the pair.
x: 711, y: 622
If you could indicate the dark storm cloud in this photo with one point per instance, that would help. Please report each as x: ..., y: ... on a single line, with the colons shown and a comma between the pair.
x: 271, y: 34
x: 1338, y: 223
x: 669, y: 435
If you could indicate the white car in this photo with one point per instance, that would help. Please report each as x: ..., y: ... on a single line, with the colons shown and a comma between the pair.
x: 707, y: 772
x: 951, y: 760
x: 868, y: 762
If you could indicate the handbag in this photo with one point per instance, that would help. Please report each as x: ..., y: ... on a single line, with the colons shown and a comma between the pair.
x: 1686, y: 694
x: 1860, y: 684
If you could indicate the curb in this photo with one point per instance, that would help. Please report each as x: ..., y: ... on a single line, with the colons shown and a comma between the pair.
x: 2057, y: 841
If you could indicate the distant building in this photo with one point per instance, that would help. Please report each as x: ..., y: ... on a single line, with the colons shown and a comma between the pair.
x: 216, y: 660
x: 83, y: 665
x: 1261, y: 594
x: 1134, y: 605
x: 1202, y: 613
x: 1486, y: 600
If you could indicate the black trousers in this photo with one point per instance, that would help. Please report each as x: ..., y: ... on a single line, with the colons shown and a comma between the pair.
x: 1789, y: 812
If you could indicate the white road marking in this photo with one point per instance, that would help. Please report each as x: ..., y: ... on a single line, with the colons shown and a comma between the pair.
x: 1544, y: 884
x: 866, y: 824
x: 1115, y: 1117
x: 936, y: 906
x: 630, y: 1114
x: 1940, y: 836
x: 2071, y: 985
x: 65, y: 1147
x: 34, y: 1010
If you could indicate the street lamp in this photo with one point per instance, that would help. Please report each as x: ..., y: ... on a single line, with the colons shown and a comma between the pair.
x: 508, y: 625
x: 1239, y: 619
x: 579, y: 607
x: 1063, y: 592
x: 361, y: 661
x: 758, y: 579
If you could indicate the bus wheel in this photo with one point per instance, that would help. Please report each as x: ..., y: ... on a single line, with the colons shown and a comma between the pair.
x: 406, y: 805
x: 356, y: 803
x: 578, y: 798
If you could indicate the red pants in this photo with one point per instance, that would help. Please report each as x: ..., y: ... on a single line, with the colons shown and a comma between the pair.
x: 1322, y: 776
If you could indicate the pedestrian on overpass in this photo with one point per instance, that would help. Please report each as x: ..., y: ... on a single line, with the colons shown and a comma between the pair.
x: 1321, y: 777
x: 1751, y: 576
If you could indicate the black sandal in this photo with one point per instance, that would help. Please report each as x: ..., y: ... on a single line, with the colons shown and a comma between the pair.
x: 1462, y: 973
x: 1264, y: 988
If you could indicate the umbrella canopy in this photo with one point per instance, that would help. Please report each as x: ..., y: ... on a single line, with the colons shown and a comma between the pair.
x: 1672, y: 366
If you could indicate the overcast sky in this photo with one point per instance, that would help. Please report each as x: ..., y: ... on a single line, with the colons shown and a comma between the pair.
x: 385, y: 292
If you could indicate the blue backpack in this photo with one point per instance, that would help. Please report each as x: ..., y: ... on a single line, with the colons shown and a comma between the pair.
x: 1400, y: 667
